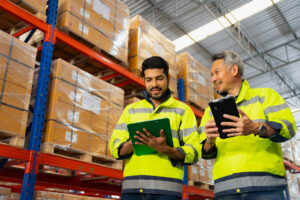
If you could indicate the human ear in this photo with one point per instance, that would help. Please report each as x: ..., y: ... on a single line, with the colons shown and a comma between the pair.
x: 235, y: 70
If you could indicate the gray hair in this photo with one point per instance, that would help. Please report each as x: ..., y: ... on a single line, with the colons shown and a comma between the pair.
x: 230, y: 58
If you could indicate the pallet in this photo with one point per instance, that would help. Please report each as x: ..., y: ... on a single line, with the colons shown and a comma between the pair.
x: 13, y: 140
x: 81, y: 155
x: 200, y: 185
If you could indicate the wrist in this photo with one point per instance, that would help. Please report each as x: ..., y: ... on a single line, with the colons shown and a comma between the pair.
x: 256, y: 128
x: 211, y: 141
x: 261, y: 131
x: 164, y: 149
x: 128, y: 145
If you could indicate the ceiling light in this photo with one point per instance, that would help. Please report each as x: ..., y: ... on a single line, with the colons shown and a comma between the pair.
x: 219, y: 24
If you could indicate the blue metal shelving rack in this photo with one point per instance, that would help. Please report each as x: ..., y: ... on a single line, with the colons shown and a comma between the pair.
x: 31, y: 169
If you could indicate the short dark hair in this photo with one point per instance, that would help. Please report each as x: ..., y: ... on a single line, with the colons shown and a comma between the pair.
x: 155, y: 62
x: 230, y: 58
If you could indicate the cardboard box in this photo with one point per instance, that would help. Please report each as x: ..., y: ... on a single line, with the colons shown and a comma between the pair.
x: 14, y: 95
x: 287, y: 150
x: 201, y: 172
x: 44, y: 195
x: 49, y: 195
x: 17, y: 61
x: 198, y: 86
x: 146, y: 41
x: 98, y: 144
x: 115, y: 112
x: 71, y: 75
x: 5, y: 193
x: 13, y: 121
x: 102, y: 23
x: 66, y: 136
x: 37, y: 8
x: 82, y: 109
x: 193, y: 172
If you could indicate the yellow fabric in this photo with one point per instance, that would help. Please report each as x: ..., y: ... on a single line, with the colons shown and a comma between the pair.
x: 252, y: 153
x: 181, y: 119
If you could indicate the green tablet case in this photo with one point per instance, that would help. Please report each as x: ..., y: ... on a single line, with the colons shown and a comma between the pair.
x: 154, y: 127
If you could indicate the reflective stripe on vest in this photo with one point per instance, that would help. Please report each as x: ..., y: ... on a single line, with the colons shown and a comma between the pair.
x: 290, y: 127
x: 187, y: 131
x: 139, y: 183
x: 248, y: 180
x: 252, y: 101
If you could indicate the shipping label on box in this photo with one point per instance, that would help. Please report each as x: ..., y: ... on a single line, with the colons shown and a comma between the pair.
x: 92, y: 103
x: 71, y: 137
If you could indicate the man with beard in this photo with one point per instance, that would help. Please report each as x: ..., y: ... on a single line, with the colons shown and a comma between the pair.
x: 249, y: 164
x: 159, y: 175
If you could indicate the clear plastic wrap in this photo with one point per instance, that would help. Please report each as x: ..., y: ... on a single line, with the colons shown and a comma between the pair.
x: 82, y: 110
x: 287, y: 150
x: 293, y: 185
x: 202, y: 172
x: 291, y: 149
x: 17, y: 61
x: 198, y: 85
x: 103, y: 23
x: 146, y: 41
x: 295, y: 145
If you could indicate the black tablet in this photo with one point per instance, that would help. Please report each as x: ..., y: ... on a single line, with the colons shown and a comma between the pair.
x: 222, y: 106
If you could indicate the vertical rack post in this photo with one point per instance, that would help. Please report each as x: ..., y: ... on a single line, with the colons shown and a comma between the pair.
x: 181, y: 95
x: 31, y: 168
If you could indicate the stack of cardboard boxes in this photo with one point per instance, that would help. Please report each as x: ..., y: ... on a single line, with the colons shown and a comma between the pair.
x: 49, y: 195
x: 146, y: 41
x: 5, y: 193
x: 44, y: 195
x: 103, y: 23
x: 10, y: 23
x: 17, y: 62
x: 33, y: 6
x: 198, y: 85
x: 201, y: 172
x: 82, y: 110
x: 291, y: 152
x: 293, y: 180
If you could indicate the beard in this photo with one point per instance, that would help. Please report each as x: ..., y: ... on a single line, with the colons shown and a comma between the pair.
x: 158, y: 98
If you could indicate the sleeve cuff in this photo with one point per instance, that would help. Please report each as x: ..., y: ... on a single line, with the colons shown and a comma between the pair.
x: 177, y: 163
x: 123, y: 157
x: 208, y: 155
x: 276, y: 137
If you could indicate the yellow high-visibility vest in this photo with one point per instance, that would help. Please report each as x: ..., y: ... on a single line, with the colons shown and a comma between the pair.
x: 155, y: 173
x: 251, y: 163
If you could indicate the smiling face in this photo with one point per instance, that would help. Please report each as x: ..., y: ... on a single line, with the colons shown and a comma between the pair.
x: 156, y: 83
x: 222, y: 76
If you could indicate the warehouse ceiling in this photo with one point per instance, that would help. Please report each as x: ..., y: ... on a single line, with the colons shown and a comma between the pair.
x: 264, y: 32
